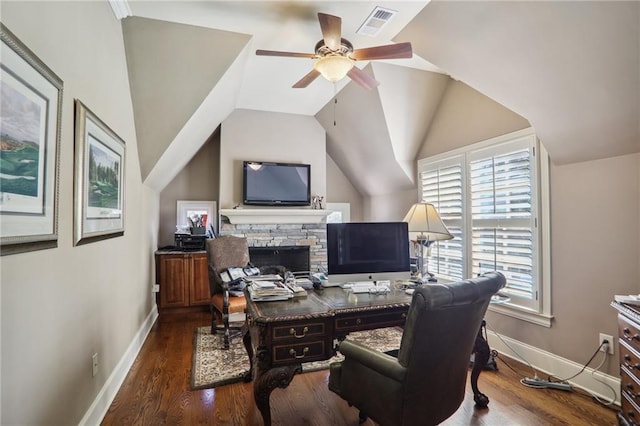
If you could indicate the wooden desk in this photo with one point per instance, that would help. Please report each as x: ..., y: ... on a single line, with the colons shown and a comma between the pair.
x: 281, y: 335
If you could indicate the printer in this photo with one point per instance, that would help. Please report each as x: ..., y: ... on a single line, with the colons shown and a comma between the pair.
x: 190, y: 242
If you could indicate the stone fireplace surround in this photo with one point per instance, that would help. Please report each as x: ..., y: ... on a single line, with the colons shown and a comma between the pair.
x: 288, y: 229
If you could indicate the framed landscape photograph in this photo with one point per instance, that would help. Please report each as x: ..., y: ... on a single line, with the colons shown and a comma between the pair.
x: 31, y: 106
x: 99, y: 179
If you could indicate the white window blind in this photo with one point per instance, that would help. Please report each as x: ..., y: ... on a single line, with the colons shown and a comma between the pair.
x: 442, y: 185
x: 487, y: 197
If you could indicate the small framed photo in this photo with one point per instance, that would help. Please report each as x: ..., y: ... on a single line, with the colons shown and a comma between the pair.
x: 98, y: 179
x: 192, y: 215
x: 31, y: 105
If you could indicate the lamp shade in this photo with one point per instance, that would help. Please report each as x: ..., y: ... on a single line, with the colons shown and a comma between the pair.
x: 424, y: 219
x: 333, y: 67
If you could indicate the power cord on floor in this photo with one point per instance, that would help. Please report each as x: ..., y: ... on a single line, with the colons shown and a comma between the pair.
x: 558, y: 381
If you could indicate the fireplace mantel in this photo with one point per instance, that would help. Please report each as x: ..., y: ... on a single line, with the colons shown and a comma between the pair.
x: 277, y: 216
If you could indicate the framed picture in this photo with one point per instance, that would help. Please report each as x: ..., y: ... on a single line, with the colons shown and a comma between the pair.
x: 199, y: 213
x: 98, y: 179
x: 31, y: 105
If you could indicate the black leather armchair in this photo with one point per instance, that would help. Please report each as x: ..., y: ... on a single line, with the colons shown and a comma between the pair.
x: 425, y: 384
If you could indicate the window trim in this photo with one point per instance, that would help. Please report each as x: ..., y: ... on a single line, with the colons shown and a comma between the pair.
x: 542, y: 315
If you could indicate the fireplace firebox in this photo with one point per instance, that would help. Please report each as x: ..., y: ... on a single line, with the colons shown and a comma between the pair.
x: 293, y: 258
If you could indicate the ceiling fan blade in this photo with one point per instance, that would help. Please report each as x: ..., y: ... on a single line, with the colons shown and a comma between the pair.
x: 331, y: 30
x: 389, y: 51
x: 306, y: 80
x: 362, y: 78
x: 288, y: 54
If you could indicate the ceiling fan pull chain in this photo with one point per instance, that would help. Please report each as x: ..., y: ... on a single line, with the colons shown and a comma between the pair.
x: 335, y: 102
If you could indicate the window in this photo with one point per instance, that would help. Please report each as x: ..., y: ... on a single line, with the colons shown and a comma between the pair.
x: 488, y: 194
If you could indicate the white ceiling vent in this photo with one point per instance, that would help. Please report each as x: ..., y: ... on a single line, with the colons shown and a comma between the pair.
x: 374, y: 23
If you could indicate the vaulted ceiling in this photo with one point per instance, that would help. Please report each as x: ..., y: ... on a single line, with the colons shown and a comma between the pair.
x: 571, y: 68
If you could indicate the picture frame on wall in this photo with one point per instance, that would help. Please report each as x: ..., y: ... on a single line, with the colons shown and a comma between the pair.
x: 205, y: 211
x: 98, y: 179
x: 31, y: 105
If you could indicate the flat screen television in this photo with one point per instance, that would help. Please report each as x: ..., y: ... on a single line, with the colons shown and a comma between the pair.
x: 367, y: 251
x: 276, y: 184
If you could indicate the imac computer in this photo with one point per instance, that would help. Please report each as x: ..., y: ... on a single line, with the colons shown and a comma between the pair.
x: 367, y: 251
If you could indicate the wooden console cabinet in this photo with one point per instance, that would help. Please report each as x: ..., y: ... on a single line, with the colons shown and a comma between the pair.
x: 629, y: 343
x: 183, y: 279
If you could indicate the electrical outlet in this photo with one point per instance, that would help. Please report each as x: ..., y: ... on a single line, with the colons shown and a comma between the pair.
x: 156, y: 288
x: 94, y: 364
x: 609, y: 339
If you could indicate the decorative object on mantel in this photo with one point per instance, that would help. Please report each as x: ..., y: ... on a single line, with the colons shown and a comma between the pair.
x: 423, y: 218
x: 316, y: 202
x: 213, y: 366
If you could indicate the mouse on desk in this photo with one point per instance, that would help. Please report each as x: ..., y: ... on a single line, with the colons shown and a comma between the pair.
x: 316, y: 282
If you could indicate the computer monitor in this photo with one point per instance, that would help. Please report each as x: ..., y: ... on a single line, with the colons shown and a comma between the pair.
x: 367, y: 251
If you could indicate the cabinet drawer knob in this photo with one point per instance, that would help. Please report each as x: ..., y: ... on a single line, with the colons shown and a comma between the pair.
x: 294, y: 354
x: 292, y: 332
x: 358, y: 321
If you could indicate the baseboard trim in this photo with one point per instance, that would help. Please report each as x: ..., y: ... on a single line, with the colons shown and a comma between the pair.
x: 101, y: 404
x: 548, y: 363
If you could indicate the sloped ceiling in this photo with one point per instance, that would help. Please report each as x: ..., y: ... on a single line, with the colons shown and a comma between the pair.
x: 374, y: 136
x: 571, y: 68
x: 172, y: 68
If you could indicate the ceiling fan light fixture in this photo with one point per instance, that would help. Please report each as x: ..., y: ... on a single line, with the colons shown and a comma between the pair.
x: 333, y: 67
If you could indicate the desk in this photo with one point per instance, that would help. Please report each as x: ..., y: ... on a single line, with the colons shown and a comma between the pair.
x: 281, y: 335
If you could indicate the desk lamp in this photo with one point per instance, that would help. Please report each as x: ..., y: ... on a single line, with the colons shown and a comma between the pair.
x: 424, y: 219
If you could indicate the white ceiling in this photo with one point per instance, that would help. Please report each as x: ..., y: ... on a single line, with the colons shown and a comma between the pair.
x: 571, y: 68
x: 286, y: 26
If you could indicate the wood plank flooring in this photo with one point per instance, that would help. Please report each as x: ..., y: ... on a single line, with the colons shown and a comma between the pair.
x: 156, y: 392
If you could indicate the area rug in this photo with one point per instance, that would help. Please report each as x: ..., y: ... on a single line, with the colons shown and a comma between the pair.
x: 214, y: 366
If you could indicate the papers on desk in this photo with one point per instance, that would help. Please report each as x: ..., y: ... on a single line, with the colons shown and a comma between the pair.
x: 265, y: 291
x: 631, y: 299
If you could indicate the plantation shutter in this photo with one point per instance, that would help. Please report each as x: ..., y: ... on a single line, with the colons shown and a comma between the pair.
x: 442, y: 185
x: 502, y: 216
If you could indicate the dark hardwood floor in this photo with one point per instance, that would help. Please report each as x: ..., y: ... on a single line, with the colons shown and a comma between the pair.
x: 156, y: 392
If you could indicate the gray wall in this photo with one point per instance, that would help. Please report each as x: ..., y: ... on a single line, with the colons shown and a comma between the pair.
x: 198, y: 181
x: 60, y: 306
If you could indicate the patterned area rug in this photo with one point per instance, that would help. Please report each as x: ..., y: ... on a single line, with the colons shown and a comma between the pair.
x: 214, y: 366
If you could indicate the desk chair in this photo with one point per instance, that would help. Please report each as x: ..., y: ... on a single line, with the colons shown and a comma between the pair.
x: 222, y: 253
x: 425, y: 383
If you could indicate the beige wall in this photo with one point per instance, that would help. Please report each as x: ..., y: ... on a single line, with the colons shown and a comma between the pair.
x: 60, y: 306
x: 595, y: 244
x: 198, y: 181
x: 269, y: 136
x: 466, y: 116
x: 340, y: 190
x: 389, y: 207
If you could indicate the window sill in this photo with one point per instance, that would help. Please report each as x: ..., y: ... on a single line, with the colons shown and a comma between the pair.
x: 532, y: 317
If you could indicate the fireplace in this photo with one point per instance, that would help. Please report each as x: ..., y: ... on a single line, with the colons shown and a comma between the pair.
x: 306, y: 242
x: 293, y: 258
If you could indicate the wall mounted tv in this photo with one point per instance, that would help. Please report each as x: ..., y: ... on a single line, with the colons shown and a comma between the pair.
x: 276, y: 184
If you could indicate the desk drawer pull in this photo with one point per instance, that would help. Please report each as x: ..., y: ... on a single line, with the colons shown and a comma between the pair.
x: 358, y: 321
x: 294, y: 354
x: 627, y: 334
x: 292, y: 332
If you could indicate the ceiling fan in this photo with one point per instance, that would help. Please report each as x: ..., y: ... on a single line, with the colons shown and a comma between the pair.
x: 335, y: 55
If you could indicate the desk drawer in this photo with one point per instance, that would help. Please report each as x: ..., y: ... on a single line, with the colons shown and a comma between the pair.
x: 368, y: 321
x: 629, y: 360
x: 629, y: 332
x: 630, y: 410
x: 300, y: 352
x: 299, y: 331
